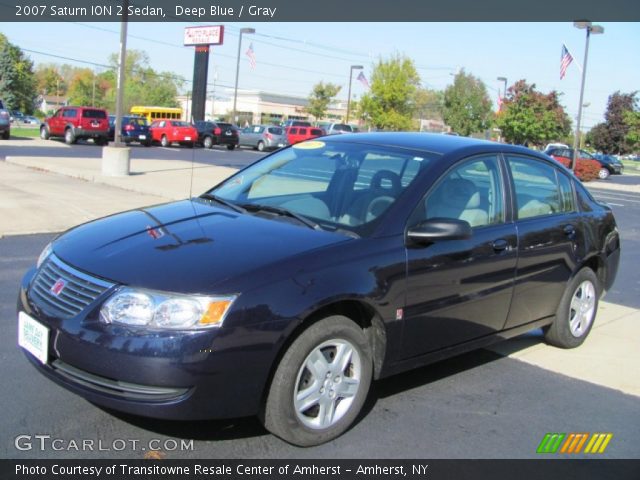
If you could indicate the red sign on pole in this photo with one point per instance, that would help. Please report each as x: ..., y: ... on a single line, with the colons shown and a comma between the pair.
x: 207, y: 35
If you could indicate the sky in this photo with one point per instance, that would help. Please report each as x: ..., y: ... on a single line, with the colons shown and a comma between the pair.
x: 292, y: 57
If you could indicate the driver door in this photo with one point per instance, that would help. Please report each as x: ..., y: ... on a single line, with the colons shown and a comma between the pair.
x: 460, y: 290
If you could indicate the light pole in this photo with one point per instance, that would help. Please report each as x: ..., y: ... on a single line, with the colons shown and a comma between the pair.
x: 235, y: 90
x: 595, y: 29
x: 503, y: 79
x: 353, y: 67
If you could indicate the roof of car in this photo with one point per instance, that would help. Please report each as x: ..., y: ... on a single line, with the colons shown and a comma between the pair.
x: 432, y: 142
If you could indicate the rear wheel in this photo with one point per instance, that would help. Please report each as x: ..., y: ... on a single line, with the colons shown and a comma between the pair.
x: 44, y: 133
x: 6, y: 135
x: 230, y: 147
x: 320, y: 384
x: 603, y: 173
x: 164, y: 141
x: 576, y: 312
x: 261, y: 146
x: 207, y: 142
x: 69, y: 137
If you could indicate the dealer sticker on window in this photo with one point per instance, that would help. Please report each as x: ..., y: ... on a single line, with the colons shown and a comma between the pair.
x: 33, y: 337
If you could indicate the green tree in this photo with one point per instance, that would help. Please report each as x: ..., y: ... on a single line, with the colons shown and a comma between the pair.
x: 429, y: 103
x: 17, y: 80
x: 531, y: 117
x: 632, y: 139
x: 612, y: 135
x: 320, y: 98
x: 49, y: 80
x: 390, y: 103
x: 143, y: 85
x: 467, y: 107
x: 87, y: 88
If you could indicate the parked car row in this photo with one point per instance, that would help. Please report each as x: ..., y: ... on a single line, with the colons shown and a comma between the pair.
x: 609, y: 165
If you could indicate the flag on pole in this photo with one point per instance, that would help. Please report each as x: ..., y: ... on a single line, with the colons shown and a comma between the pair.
x: 565, y: 61
x: 252, y: 56
x: 363, y: 79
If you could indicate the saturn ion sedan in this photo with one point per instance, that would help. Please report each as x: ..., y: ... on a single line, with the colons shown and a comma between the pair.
x: 284, y: 291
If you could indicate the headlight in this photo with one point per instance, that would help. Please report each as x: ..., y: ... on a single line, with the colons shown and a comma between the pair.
x: 45, y: 253
x: 161, y: 310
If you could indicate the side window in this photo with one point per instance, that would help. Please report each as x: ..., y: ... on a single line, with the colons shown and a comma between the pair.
x: 536, y: 187
x: 472, y: 191
x: 567, y: 200
x: 293, y: 131
x: 303, y: 131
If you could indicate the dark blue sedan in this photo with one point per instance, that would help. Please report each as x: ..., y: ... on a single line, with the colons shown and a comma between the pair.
x: 287, y: 289
x: 133, y: 129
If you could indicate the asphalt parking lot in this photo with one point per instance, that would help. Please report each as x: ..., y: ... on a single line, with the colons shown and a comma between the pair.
x: 479, y: 405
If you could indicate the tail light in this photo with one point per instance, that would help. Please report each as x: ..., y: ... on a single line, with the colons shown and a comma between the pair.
x: 129, y: 127
x: 268, y: 136
x: 217, y: 131
x: 4, y: 115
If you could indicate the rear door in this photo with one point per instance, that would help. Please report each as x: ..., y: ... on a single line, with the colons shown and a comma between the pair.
x: 549, y: 231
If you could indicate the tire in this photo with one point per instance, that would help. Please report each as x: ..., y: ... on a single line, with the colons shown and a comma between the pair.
x: 577, y: 311
x: 6, y: 135
x: 44, y: 133
x: 603, y: 173
x: 147, y: 143
x: 260, y: 146
x: 207, y: 142
x: 230, y: 147
x: 164, y: 141
x: 300, y: 419
x: 69, y: 137
x: 102, y: 141
x: 188, y: 144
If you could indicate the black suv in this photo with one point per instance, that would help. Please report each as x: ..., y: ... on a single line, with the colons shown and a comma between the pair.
x: 216, y: 133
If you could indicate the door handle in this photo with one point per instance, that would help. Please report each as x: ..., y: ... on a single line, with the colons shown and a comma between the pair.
x: 569, y: 231
x: 500, y: 245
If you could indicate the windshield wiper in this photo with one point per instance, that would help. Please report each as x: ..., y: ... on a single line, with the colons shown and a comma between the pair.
x: 254, y: 207
x: 226, y: 203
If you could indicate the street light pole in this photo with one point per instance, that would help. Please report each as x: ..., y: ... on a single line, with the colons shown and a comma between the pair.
x: 595, y: 29
x: 235, y: 90
x: 503, y: 79
x: 353, y: 67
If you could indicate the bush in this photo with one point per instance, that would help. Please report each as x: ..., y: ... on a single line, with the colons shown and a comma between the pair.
x: 586, y: 169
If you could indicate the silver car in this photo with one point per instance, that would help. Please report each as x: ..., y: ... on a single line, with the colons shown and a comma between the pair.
x: 263, y: 137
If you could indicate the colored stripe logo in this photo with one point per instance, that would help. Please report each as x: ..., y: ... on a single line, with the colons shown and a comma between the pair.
x: 572, y: 443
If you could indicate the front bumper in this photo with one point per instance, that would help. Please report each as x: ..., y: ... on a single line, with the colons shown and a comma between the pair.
x: 161, y: 374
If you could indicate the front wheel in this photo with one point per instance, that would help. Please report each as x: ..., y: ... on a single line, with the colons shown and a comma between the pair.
x: 320, y: 384
x: 261, y: 146
x: 44, y: 133
x: 603, y: 173
x: 576, y: 312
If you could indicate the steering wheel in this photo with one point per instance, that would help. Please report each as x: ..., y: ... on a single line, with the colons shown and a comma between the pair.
x: 377, y: 206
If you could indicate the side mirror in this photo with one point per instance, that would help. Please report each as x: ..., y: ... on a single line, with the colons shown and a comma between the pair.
x: 439, y: 229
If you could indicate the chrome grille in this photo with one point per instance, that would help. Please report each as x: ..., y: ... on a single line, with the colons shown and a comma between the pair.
x: 79, y: 290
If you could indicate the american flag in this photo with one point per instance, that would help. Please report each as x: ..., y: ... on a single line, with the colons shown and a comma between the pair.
x: 565, y: 61
x: 252, y: 56
x: 363, y: 79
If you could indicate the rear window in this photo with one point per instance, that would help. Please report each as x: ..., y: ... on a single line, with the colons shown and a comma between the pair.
x: 342, y: 128
x: 134, y: 121
x: 316, y: 131
x: 89, y: 113
x: 225, y: 125
x: 275, y: 130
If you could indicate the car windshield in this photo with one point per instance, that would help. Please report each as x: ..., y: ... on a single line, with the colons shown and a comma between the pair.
x: 338, y: 185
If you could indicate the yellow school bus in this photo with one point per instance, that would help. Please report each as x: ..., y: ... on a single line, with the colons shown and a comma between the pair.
x: 153, y: 113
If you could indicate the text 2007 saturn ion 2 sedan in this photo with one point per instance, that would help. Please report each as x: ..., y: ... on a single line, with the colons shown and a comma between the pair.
x: 285, y: 290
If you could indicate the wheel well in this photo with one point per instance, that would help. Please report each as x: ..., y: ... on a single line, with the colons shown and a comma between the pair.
x: 361, y: 314
x: 597, y: 265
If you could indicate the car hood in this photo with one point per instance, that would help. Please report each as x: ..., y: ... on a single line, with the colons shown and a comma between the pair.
x: 190, y: 246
